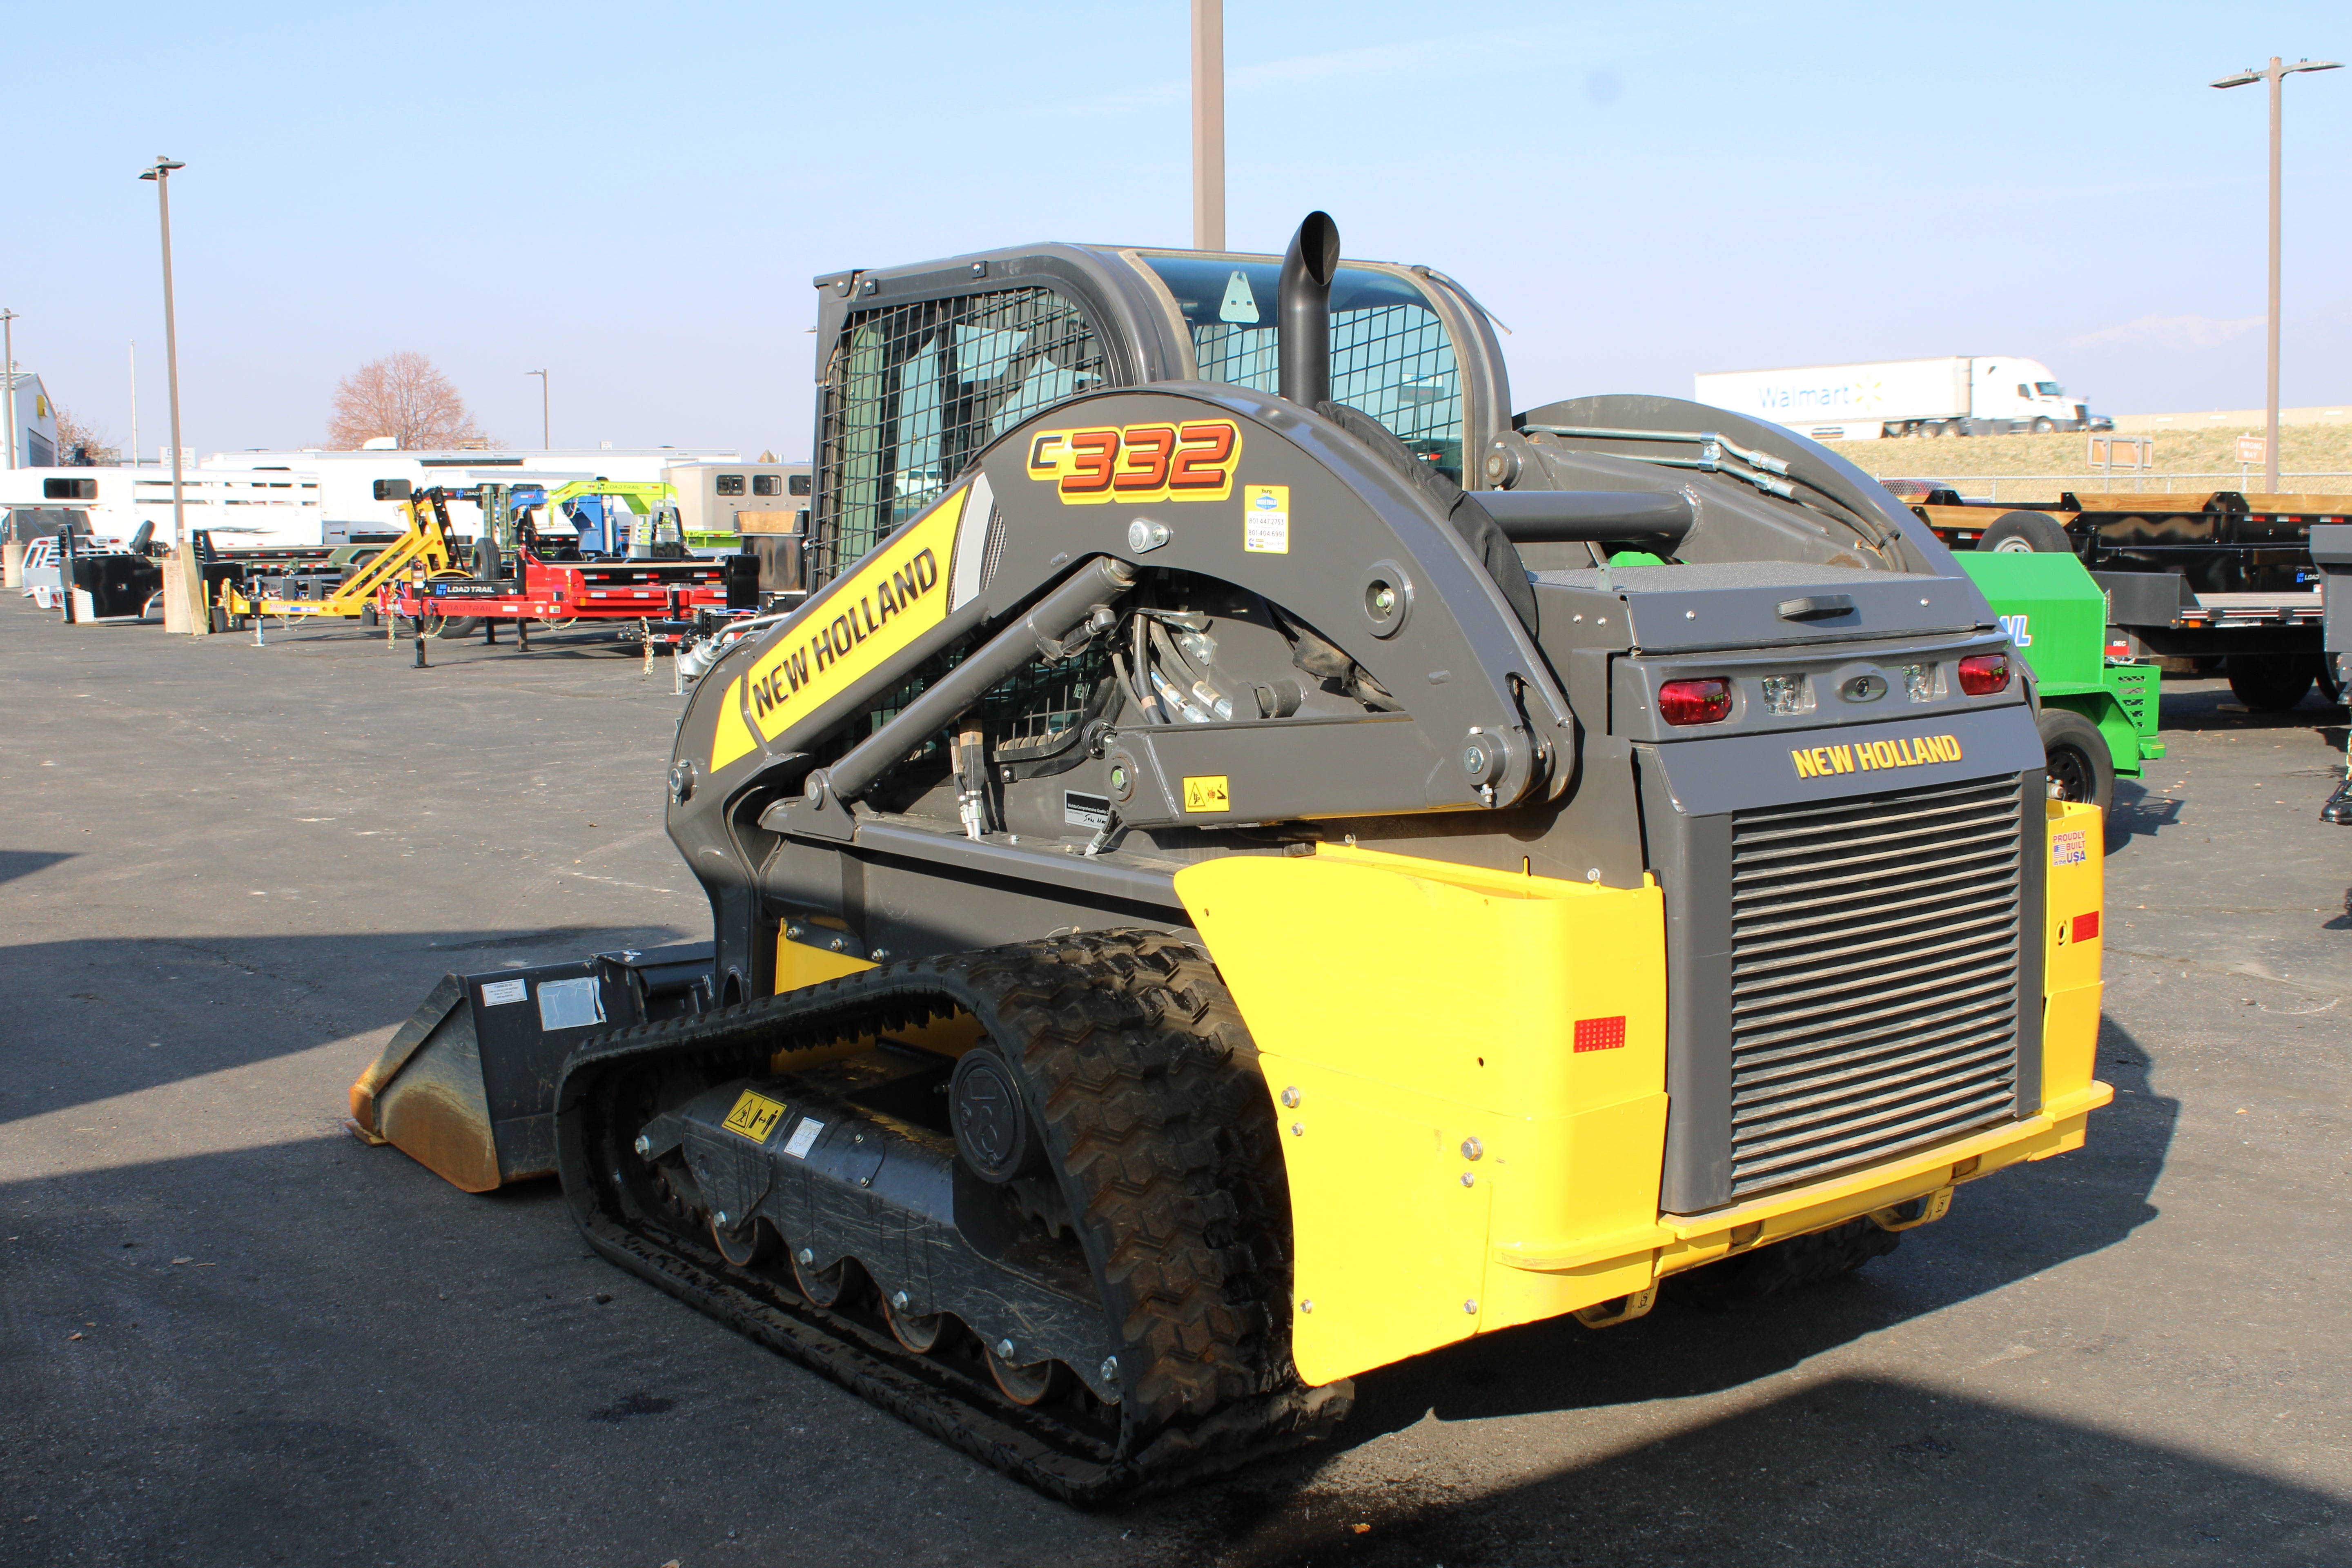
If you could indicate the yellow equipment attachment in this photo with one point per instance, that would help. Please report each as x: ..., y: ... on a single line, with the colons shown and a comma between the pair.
x: 424, y: 541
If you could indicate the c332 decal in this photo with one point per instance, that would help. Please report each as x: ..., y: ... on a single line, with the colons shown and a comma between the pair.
x: 1182, y: 459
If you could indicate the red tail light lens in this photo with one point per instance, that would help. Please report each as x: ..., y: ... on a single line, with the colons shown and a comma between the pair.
x: 1983, y: 674
x: 1705, y: 701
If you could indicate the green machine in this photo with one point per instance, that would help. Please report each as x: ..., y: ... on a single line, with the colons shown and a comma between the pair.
x: 2098, y: 713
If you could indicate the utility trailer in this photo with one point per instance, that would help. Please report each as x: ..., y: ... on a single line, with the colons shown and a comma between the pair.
x: 548, y: 580
x: 2331, y: 551
x: 2099, y: 705
x: 2199, y: 580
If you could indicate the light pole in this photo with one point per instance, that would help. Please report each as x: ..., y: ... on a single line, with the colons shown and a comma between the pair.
x: 1208, y: 124
x: 9, y: 368
x: 546, y: 442
x: 162, y: 175
x: 2276, y: 75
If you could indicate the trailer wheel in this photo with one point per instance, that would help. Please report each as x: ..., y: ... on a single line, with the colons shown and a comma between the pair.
x: 2076, y: 761
x: 2331, y: 679
x: 2270, y: 683
x: 2023, y: 532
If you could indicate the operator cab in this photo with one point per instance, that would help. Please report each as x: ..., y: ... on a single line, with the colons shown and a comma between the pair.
x: 930, y: 364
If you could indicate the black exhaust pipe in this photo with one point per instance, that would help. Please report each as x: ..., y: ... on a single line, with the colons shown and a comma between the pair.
x: 1304, y: 321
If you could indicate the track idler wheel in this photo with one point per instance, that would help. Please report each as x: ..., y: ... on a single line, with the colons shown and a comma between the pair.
x: 745, y: 1247
x: 822, y: 1287
x: 918, y: 1331
x: 1022, y: 1383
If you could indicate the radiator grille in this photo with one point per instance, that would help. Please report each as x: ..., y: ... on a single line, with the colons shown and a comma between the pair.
x: 1875, y: 957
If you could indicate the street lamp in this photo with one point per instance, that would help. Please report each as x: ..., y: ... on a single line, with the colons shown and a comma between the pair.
x: 8, y: 369
x: 162, y: 175
x: 546, y: 443
x: 1208, y: 124
x: 2276, y: 75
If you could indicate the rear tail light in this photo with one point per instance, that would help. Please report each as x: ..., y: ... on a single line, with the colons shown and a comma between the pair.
x: 1706, y: 701
x: 1983, y: 674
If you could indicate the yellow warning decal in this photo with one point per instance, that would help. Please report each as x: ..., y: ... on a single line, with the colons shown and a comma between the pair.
x: 1208, y: 792
x: 1911, y: 752
x: 863, y: 619
x: 1182, y: 459
x: 754, y: 1116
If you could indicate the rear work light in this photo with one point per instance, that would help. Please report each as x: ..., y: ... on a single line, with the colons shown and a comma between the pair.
x: 1706, y: 701
x: 1983, y: 674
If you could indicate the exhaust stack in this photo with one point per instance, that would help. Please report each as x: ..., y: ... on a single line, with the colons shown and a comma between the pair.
x: 1304, y: 310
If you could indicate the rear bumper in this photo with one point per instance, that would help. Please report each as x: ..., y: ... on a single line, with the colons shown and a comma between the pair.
x: 1677, y: 1243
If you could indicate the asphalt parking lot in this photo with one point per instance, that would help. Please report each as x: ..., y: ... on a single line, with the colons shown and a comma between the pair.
x: 231, y: 1335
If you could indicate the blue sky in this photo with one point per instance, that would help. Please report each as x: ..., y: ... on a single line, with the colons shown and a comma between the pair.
x: 636, y: 197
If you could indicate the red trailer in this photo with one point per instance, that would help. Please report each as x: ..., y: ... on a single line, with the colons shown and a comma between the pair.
x: 666, y: 598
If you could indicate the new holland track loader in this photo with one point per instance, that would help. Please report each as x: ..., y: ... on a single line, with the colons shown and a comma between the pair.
x: 1204, y: 904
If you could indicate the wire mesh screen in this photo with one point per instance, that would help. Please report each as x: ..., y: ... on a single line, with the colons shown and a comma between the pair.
x: 1037, y: 707
x: 915, y: 392
x: 1390, y: 356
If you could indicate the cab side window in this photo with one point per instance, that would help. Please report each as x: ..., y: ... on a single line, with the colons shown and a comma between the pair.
x: 1390, y: 356
x: 914, y: 391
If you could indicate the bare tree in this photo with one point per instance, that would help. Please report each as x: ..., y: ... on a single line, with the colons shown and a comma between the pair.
x: 80, y: 446
x: 404, y: 396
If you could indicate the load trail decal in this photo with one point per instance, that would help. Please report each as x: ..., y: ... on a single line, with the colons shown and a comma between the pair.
x: 862, y: 620
x: 1181, y: 459
x: 1911, y: 752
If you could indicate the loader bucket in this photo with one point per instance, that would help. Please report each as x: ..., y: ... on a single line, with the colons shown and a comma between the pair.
x: 466, y: 1086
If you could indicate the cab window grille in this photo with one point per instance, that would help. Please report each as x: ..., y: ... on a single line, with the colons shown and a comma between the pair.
x: 1390, y: 356
x: 915, y: 392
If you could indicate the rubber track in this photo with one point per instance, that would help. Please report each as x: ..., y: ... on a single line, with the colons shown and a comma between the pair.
x: 1149, y: 1100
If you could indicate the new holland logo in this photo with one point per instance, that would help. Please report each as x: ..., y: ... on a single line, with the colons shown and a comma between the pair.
x: 1911, y: 752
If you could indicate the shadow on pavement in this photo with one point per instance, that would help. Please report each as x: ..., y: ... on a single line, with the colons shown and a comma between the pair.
x: 92, y: 1019
x: 1855, y: 1470
x: 15, y: 863
x: 2137, y: 813
x: 489, y: 1334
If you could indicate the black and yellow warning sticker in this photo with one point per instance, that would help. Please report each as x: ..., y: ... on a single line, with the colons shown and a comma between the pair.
x: 754, y: 1116
x: 1208, y: 792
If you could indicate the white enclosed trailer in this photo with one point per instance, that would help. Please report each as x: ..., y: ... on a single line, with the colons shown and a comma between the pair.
x: 1955, y: 395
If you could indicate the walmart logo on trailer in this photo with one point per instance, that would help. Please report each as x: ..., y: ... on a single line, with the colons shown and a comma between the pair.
x: 1853, y: 396
x: 2015, y: 627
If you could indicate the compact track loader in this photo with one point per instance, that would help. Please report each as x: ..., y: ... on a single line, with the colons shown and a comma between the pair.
x: 1204, y: 905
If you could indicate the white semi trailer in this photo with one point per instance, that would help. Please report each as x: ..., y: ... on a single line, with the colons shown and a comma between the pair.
x: 1955, y: 395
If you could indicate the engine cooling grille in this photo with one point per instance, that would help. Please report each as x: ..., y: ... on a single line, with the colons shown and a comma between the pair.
x: 1875, y: 945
